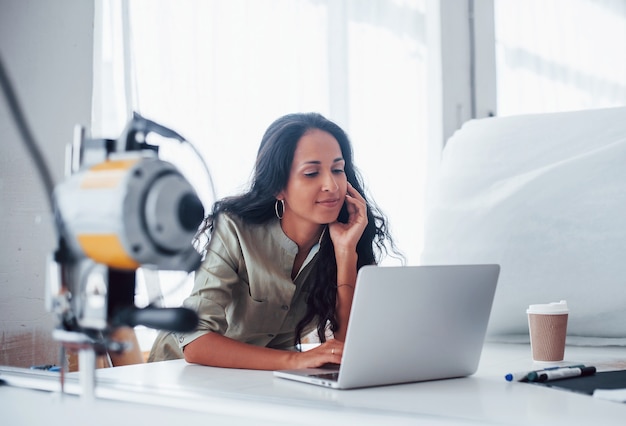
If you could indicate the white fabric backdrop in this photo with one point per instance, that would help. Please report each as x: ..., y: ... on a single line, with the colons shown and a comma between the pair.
x: 544, y: 196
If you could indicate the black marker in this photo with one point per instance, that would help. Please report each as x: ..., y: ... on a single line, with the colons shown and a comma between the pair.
x: 564, y: 373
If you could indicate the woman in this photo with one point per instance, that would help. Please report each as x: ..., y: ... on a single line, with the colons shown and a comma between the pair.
x: 282, y: 258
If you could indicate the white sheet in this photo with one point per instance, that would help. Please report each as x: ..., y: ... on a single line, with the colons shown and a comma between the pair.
x: 545, y: 197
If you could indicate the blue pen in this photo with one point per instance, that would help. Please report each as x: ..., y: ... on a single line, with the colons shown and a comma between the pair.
x: 529, y: 376
x: 520, y: 376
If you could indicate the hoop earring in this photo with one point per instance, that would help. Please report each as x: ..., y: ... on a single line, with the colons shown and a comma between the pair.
x: 282, y: 205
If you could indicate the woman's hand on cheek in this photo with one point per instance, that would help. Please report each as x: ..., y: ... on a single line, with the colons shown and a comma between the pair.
x: 347, y: 235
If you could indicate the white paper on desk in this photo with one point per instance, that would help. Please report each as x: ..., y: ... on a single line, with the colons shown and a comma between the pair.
x: 617, y: 395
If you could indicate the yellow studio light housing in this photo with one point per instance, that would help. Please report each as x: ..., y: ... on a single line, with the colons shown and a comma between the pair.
x: 131, y: 210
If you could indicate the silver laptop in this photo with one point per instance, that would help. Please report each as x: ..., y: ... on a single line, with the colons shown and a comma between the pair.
x: 411, y: 324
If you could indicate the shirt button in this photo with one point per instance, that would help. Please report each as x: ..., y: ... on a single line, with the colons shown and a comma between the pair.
x: 285, y: 308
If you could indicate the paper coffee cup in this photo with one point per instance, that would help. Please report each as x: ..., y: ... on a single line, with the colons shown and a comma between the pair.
x: 547, y: 324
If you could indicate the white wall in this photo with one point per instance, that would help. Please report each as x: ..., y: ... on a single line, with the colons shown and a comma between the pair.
x: 46, y: 47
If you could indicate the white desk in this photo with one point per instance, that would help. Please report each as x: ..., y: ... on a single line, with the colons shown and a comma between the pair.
x: 175, y: 391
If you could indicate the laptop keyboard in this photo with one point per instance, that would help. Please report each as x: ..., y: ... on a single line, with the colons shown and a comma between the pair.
x: 329, y: 376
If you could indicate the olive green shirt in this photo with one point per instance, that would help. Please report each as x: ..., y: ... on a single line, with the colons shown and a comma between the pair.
x: 243, y: 289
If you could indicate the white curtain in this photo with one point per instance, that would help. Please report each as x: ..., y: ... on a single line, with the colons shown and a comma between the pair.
x: 560, y: 55
x: 220, y: 71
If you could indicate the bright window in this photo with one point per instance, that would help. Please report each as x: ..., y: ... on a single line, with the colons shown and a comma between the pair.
x: 219, y: 72
x: 559, y: 55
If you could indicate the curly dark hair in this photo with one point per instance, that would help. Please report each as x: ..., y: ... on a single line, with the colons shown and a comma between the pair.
x: 271, y: 173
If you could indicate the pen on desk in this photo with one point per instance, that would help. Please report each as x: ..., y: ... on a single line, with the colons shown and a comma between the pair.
x: 529, y: 376
x: 565, y: 373
x: 523, y: 376
x: 520, y: 376
x: 534, y: 375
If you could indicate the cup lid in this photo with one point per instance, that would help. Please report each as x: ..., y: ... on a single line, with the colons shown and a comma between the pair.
x: 549, y: 308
